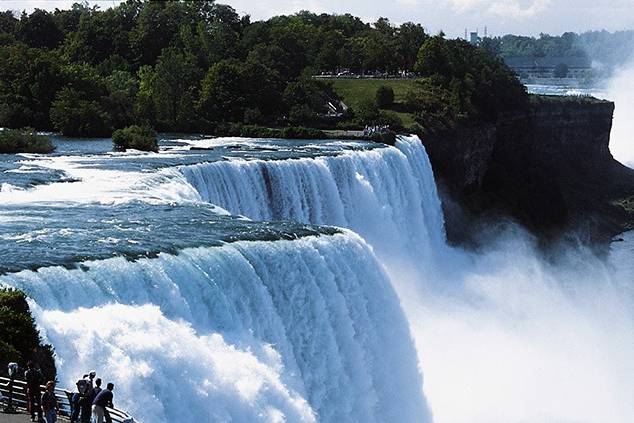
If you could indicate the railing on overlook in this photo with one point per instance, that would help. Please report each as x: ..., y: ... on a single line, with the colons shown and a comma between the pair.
x: 19, y: 400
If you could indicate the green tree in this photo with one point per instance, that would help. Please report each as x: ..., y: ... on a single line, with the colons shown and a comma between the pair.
x: 384, y: 97
x: 172, y: 88
x: 77, y: 116
x: 19, y: 338
x: 29, y: 81
x: 222, y: 96
x: 39, y: 30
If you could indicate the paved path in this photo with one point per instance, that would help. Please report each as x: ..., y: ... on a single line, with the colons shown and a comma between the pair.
x: 21, y: 418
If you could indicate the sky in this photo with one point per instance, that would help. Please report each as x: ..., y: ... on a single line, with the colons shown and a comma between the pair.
x: 528, y: 17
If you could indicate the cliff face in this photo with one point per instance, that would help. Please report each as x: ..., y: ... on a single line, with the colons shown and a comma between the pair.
x: 549, y: 168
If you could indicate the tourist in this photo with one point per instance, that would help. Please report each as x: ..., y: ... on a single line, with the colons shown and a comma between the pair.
x: 34, y: 379
x: 49, y: 403
x: 83, y: 400
x: 97, y: 388
x: 103, y: 400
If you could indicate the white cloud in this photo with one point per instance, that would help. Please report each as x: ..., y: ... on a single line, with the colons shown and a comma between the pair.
x: 515, y: 10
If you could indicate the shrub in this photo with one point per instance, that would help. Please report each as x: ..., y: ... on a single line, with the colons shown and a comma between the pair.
x: 366, y: 112
x: 390, y: 119
x: 25, y: 140
x: 388, y: 137
x: 385, y: 97
x: 417, y: 129
x: 135, y: 137
x: 561, y: 70
x: 19, y: 339
x: 235, y: 129
x: 300, y: 132
x: 255, y: 131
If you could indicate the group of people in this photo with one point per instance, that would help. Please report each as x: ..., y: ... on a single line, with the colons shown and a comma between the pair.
x: 369, y: 131
x: 88, y: 404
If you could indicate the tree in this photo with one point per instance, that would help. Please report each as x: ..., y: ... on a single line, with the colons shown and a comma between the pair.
x: 432, y: 58
x: 39, y: 30
x: 384, y: 97
x: 561, y: 70
x: 222, y: 96
x: 30, y: 80
x: 77, y: 116
x: 366, y: 112
x: 172, y: 87
x: 304, y: 100
x: 19, y: 338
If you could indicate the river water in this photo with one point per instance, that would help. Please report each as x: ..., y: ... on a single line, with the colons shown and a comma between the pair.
x: 268, y: 280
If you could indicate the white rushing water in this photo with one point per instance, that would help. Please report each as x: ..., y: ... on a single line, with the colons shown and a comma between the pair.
x: 503, y: 335
x: 620, y: 89
x: 313, y: 324
x: 386, y: 195
x: 312, y: 330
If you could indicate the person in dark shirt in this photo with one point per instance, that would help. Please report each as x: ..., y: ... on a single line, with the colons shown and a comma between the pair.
x: 33, y: 379
x: 102, y: 400
x: 97, y: 388
x: 49, y: 403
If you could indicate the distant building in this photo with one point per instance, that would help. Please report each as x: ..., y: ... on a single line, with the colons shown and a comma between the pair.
x: 474, y: 38
x: 544, y: 67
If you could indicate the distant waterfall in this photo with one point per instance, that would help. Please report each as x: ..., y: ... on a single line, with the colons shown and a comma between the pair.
x: 387, y: 195
x: 251, y: 331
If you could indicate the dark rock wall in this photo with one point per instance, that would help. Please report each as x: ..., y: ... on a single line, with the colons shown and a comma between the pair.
x: 549, y: 169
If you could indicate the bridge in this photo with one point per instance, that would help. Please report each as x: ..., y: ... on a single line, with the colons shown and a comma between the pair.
x: 19, y: 401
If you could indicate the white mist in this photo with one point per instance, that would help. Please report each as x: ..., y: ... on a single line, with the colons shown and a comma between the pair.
x: 620, y: 89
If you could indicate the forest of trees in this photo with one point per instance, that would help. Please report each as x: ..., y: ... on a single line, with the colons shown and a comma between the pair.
x: 608, y: 50
x: 192, y: 66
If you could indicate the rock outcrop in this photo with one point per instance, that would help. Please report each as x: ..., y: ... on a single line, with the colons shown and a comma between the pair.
x: 548, y: 168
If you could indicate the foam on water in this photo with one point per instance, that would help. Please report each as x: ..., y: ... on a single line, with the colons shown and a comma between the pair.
x: 313, y: 325
x: 322, y: 303
x: 387, y: 195
x: 503, y: 335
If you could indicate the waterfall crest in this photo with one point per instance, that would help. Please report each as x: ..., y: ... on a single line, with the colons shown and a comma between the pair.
x: 376, y: 193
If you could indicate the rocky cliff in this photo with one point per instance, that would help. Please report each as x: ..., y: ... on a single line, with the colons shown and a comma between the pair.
x: 549, y: 168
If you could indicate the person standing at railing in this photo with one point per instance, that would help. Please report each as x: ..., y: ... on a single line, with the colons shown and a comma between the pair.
x: 49, y: 403
x: 34, y: 379
x: 103, y: 400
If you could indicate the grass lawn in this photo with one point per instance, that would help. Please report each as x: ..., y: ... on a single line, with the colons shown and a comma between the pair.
x: 354, y: 91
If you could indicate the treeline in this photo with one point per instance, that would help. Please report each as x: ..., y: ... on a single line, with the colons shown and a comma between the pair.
x: 193, y: 66
x: 606, y: 49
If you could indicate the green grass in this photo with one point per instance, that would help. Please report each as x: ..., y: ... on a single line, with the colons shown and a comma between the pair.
x: 354, y: 91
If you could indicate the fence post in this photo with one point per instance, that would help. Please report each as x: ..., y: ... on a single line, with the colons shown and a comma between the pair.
x: 12, y: 370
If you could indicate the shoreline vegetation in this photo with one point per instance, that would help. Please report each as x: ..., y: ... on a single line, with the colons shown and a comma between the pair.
x: 25, y: 140
x: 20, y: 340
x: 86, y: 72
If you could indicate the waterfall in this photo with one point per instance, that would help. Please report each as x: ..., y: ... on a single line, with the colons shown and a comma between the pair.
x: 377, y: 193
x: 249, y: 331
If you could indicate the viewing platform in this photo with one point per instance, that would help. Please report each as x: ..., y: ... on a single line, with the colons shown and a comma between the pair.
x: 18, y: 395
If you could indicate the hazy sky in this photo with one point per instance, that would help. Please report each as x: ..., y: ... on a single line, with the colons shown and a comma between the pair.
x: 453, y: 16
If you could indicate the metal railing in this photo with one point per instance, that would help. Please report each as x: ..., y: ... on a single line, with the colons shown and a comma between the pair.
x: 19, y: 399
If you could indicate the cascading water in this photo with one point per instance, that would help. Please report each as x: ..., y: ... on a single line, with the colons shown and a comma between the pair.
x: 379, y: 194
x: 496, y: 332
x: 296, y: 330
x: 219, y: 318
x: 320, y: 302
